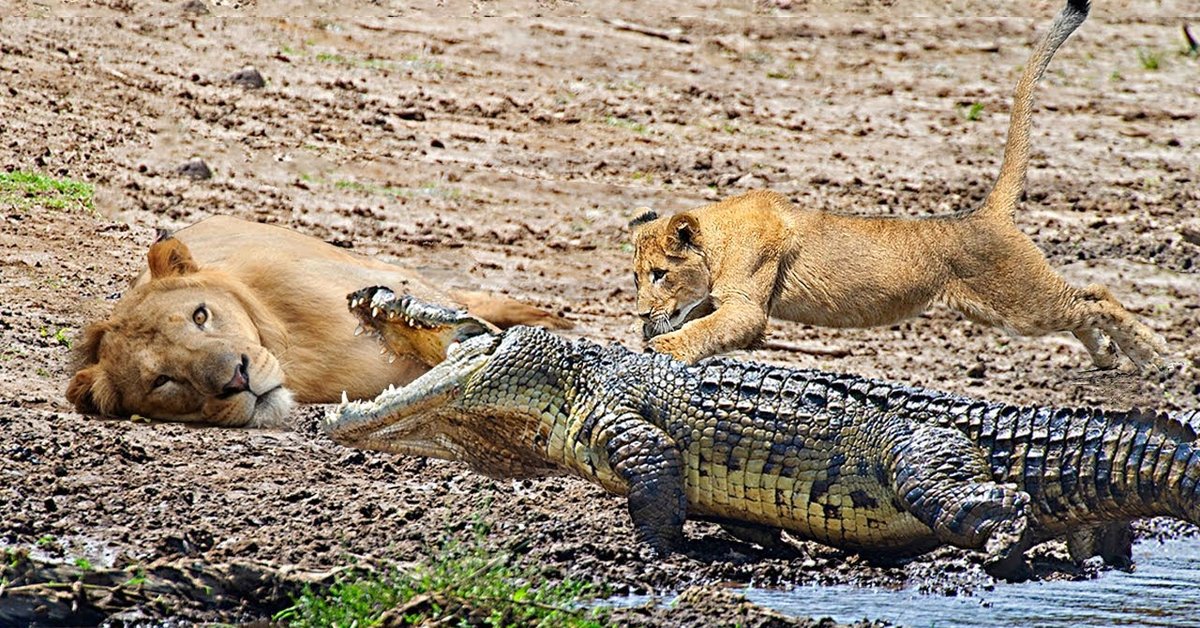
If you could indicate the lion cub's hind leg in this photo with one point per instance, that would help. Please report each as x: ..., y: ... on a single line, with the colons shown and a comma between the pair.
x: 1098, y: 309
x: 1041, y: 302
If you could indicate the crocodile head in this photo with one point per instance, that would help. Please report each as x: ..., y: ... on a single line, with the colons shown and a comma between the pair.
x: 464, y: 408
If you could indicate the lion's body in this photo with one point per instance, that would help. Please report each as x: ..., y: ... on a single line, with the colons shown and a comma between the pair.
x: 709, y: 278
x: 274, y: 295
x: 761, y: 256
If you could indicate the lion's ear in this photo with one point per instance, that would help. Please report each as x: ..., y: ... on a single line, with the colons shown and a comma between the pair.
x: 683, y: 231
x: 87, y: 345
x: 90, y: 389
x: 644, y: 215
x: 168, y: 256
x: 91, y: 392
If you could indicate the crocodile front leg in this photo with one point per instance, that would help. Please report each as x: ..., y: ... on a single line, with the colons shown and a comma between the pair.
x: 943, y: 479
x: 648, y: 461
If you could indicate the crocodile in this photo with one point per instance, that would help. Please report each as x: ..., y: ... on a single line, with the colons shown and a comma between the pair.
x: 882, y: 469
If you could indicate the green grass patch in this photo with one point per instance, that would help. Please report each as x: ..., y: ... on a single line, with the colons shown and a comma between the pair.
x: 623, y: 123
x: 61, y: 337
x: 974, y: 112
x: 459, y: 584
x: 27, y: 190
x: 429, y: 189
x: 1149, y: 59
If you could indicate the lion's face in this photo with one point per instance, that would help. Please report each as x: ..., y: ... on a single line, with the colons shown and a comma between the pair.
x: 670, y: 272
x: 186, y: 346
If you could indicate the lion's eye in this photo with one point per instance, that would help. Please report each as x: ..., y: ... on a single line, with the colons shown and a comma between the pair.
x: 160, y: 381
x: 200, y: 316
x: 657, y: 274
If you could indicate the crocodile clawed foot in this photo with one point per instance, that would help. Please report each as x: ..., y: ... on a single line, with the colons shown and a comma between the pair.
x: 1006, y: 551
x: 659, y: 543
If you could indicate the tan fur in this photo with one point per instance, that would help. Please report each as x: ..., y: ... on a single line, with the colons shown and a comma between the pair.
x: 707, y: 279
x: 274, y: 296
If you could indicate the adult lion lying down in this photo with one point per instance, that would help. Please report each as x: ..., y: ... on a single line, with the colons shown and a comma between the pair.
x: 234, y: 321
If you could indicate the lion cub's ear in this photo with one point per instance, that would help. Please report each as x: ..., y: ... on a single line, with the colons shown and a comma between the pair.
x: 168, y: 257
x: 644, y: 215
x: 683, y: 231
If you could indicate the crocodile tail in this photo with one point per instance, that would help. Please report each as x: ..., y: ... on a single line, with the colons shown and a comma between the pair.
x: 1189, y: 485
x: 1145, y: 464
x: 1187, y: 472
x: 1002, y: 200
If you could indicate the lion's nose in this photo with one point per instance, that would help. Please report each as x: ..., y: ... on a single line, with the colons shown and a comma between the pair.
x: 240, y: 382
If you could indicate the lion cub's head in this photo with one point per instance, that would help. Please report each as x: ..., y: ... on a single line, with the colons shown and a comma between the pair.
x: 188, y: 345
x: 670, y: 271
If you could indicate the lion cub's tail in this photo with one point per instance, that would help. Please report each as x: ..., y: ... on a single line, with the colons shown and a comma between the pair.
x: 1003, y: 197
x: 504, y: 312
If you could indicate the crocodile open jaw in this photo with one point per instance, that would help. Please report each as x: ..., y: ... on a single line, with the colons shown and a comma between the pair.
x: 453, y: 342
x: 407, y: 326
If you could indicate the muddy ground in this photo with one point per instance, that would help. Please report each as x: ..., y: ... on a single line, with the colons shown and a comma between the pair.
x: 508, y: 155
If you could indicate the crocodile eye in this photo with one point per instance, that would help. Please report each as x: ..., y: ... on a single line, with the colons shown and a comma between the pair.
x: 200, y: 316
x: 160, y: 381
x: 657, y: 274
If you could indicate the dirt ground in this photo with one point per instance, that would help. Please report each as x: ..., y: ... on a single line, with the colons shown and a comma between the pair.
x: 507, y: 155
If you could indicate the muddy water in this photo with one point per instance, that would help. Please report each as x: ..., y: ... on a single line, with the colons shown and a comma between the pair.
x: 1164, y: 590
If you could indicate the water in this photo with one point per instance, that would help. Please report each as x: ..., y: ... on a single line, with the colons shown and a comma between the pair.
x: 1164, y: 590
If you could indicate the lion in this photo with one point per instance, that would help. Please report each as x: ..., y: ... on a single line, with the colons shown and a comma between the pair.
x: 707, y: 279
x: 233, y: 322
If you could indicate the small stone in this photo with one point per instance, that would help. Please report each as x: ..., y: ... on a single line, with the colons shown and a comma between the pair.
x: 978, y: 371
x: 195, y: 169
x: 248, y: 77
x: 1190, y: 235
x: 196, y: 7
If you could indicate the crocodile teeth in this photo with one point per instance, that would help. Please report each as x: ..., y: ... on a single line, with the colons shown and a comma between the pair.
x: 391, y: 358
x: 358, y: 331
x: 345, y: 398
x: 375, y: 311
x: 382, y: 350
x: 391, y: 315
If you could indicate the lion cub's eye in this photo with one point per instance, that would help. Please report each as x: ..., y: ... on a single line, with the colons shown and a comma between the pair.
x: 200, y: 316
x: 160, y: 381
x: 657, y: 274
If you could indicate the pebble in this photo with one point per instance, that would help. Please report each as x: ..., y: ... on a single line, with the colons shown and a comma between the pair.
x: 248, y: 77
x: 195, y: 169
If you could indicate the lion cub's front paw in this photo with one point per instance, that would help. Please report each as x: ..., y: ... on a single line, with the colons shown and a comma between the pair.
x: 674, y: 344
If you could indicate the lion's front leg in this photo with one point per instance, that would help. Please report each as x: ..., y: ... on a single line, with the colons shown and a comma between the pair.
x: 734, y: 325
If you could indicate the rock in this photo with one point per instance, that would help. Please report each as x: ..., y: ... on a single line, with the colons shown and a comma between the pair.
x: 195, y: 169
x: 1190, y: 234
x: 978, y: 371
x: 196, y: 7
x: 248, y: 77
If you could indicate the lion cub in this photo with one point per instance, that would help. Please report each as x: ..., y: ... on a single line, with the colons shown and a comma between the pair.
x: 708, y: 278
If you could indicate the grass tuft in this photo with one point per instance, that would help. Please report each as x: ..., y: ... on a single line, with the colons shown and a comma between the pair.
x: 974, y: 112
x: 25, y: 190
x: 1149, y: 59
x: 459, y: 584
